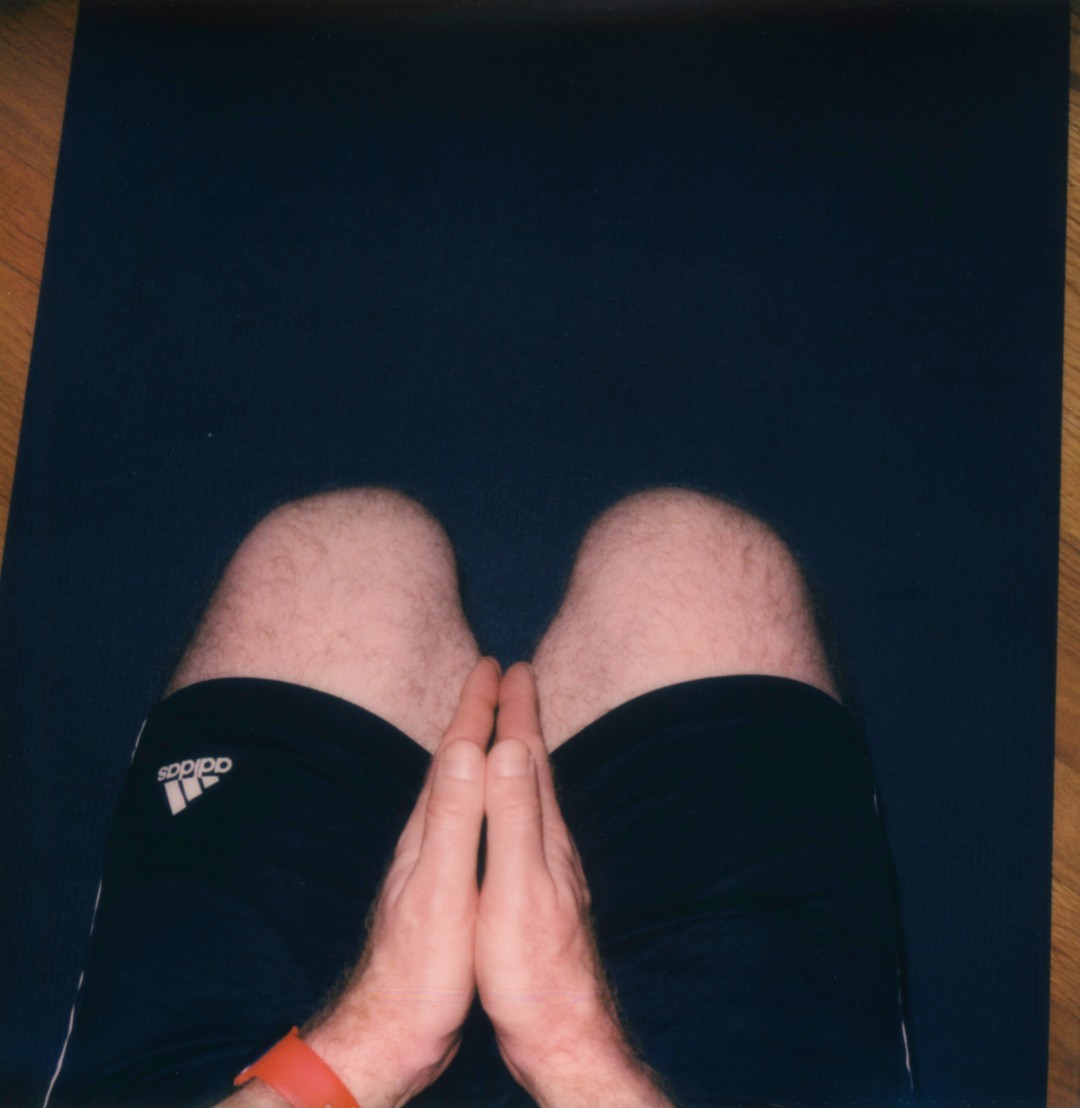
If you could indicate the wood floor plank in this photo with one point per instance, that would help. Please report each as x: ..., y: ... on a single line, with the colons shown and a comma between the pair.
x: 36, y: 40
x: 25, y: 194
x: 1063, y: 1086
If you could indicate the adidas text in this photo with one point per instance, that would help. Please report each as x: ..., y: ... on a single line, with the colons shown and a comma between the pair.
x: 186, y: 780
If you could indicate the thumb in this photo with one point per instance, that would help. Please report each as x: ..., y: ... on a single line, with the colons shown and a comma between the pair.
x: 454, y: 813
x: 515, y: 838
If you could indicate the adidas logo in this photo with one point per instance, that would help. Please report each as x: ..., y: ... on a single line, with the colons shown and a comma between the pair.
x: 184, y: 781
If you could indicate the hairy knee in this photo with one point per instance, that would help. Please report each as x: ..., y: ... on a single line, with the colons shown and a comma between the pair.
x: 360, y: 531
x: 354, y: 570
x: 353, y: 592
x: 670, y: 585
x: 677, y: 542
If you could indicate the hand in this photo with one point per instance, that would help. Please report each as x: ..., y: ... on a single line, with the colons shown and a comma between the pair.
x: 537, y: 968
x: 398, y: 1023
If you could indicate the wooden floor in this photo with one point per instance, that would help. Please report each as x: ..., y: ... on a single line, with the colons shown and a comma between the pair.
x: 35, y: 53
x: 1064, y: 1084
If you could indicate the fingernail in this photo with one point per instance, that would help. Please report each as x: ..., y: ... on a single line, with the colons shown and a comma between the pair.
x: 498, y: 668
x: 514, y: 759
x: 462, y: 764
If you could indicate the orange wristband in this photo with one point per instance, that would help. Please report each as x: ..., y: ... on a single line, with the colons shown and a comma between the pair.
x: 293, y: 1070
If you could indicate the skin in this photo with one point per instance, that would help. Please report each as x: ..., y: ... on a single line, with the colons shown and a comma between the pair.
x: 537, y: 968
x: 355, y: 593
x: 523, y: 940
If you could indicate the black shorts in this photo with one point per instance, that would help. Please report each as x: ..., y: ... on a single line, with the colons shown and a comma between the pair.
x: 741, y: 885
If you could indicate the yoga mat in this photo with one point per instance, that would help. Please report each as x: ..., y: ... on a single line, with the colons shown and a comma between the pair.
x: 518, y: 266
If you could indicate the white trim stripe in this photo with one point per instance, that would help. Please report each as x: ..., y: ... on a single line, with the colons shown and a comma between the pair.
x: 82, y: 972
x: 907, y: 1055
x: 71, y: 1015
x: 138, y: 739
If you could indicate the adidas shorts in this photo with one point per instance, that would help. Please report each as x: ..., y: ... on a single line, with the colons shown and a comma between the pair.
x: 741, y: 886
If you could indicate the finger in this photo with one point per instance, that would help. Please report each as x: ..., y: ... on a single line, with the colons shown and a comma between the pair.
x: 519, y: 718
x: 474, y: 717
x: 453, y: 817
x: 515, y: 833
x: 519, y: 709
x: 474, y: 720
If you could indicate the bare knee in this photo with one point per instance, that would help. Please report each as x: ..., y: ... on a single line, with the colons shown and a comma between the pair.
x: 692, y: 553
x: 671, y: 585
x: 351, y: 592
x: 341, y: 543
x: 684, y: 534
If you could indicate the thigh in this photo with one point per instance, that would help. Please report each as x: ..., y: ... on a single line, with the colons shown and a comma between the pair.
x: 742, y: 891
x: 351, y: 592
x: 249, y: 843
x: 672, y: 585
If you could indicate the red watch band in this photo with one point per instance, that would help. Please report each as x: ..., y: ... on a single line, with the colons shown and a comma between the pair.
x: 292, y: 1069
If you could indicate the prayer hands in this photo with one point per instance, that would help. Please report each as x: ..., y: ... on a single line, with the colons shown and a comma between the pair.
x: 523, y: 936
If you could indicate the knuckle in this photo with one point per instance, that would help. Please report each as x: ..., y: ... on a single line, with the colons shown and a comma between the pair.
x: 436, y: 902
x: 568, y: 866
x: 447, y: 808
x: 521, y: 908
x: 518, y: 810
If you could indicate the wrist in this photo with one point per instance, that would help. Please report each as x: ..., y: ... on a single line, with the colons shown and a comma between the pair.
x: 617, y: 1081
x: 593, y: 1070
x: 380, y: 1069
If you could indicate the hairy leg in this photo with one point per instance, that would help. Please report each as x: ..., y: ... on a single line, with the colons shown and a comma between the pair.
x: 353, y: 593
x: 670, y: 585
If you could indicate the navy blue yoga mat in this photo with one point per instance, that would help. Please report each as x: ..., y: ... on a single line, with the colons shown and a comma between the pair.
x: 520, y: 266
